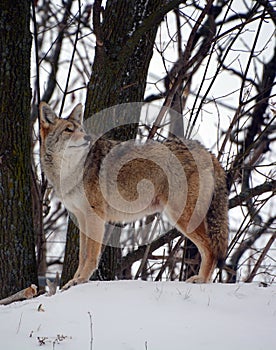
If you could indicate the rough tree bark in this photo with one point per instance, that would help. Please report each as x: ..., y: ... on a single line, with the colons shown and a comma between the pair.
x: 17, y: 246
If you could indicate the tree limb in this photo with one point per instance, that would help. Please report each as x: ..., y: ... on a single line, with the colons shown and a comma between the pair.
x: 260, y: 260
x: 183, y: 67
x: 269, y: 186
x: 244, y: 246
x: 56, y: 54
x: 153, y: 19
x: 138, y: 254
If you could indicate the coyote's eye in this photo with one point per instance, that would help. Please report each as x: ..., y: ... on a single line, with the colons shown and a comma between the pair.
x: 69, y: 129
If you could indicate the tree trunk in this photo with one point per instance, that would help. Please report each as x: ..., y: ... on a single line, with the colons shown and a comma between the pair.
x: 70, y: 263
x: 17, y: 247
x: 119, y: 74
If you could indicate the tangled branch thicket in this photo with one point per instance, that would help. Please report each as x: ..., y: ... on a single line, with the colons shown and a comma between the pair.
x: 214, y: 63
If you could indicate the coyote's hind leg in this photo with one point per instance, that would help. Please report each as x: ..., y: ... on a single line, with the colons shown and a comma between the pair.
x: 208, y: 258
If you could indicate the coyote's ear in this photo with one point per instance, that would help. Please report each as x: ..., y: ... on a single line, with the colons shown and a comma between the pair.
x: 47, y: 115
x: 76, y: 113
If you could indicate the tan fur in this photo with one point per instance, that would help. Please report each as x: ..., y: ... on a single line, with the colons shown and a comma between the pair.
x: 101, y: 181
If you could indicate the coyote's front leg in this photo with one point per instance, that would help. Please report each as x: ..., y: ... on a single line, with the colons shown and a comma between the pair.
x: 90, y: 250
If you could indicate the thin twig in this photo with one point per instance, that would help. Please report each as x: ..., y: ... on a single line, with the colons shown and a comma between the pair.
x: 138, y: 254
x: 145, y: 257
x: 63, y: 25
x: 91, y: 330
x: 170, y: 257
x: 269, y: 186
x: 72, y: 60
x: 183, y: 67
x: 261, y: 258
x: 19, y: 323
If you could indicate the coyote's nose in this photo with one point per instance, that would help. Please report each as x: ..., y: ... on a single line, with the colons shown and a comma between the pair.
x: 87, y: 138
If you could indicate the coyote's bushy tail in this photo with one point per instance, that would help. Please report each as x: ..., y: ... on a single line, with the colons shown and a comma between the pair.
x: 217, y: 218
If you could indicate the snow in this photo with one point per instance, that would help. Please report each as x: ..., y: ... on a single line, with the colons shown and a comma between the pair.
x: 144, y: 315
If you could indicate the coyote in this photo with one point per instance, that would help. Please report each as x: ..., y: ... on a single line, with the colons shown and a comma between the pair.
x: 101, y: 180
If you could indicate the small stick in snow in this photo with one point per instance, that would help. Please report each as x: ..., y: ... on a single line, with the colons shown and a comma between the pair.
x: 26, y: 293
x: 53, y: 285
x: 91, y: 331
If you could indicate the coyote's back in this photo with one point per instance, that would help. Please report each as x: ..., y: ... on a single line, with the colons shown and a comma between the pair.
x: 101, y: 181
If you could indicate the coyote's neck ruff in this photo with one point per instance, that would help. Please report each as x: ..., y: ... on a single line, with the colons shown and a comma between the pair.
x: 100, y: 181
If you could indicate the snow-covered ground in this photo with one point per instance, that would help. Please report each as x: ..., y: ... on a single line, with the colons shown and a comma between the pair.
x: 145, y: 316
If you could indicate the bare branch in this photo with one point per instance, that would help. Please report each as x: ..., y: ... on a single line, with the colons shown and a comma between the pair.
x: 260, y: 260
x: 183, y: 67
x: 269, y: 186
x: 56, y: 54
x: 138, y: 254
x: 72, y: 59
x: 247, y: 244
x: 97, y: 9
x: 170, y: 258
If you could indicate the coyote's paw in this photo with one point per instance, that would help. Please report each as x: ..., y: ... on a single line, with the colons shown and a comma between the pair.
x: 74, y: 282
x: 196, y: 279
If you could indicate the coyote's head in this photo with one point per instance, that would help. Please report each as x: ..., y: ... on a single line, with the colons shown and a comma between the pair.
x: 59, y: 134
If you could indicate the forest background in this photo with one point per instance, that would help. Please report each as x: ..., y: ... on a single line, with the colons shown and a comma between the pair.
x: 212, y: 62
